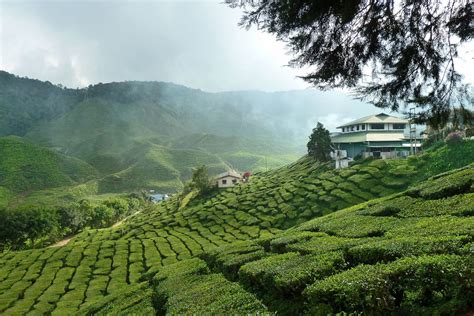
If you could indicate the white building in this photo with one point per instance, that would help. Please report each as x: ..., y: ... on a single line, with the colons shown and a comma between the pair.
x: 378, y: 135
x: 340, y: 158
x: 228, y: 179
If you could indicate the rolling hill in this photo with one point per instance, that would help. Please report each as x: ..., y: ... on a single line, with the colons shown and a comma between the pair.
x: 25, y: 103
x: 283, y: 243
x: 123, y: 128
x: 409, y: 253
x: 26, y: 167
x: 380, y: 237
x: 118, y: 124
x: 143, y: 135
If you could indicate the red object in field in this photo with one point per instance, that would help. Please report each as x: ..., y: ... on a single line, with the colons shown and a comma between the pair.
x: 247, y: 174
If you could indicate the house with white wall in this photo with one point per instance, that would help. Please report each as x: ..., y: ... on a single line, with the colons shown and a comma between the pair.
x: 380, y: 135
x: 228, y: 179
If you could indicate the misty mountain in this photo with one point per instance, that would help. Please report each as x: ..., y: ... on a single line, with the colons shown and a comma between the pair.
x: 151, y: 134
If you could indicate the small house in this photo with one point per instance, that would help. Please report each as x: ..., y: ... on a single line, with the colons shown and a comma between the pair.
x: 228, y: 179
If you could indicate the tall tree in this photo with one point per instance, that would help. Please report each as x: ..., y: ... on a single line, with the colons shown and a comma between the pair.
x: 319, y: 144
x: 200, y: 180
x: 393, y: 53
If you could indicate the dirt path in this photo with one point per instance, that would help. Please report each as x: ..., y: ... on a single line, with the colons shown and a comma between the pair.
x: 65, y: 241
x: 123, y: 220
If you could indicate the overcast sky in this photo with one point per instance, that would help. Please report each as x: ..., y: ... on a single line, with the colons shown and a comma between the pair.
x: 194, y: 43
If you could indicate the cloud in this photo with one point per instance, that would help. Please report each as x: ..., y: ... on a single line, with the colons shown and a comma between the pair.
x: 197, y: 44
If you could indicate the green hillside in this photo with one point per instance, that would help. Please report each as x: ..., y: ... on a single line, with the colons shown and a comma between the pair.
x: 133, y: 134
x: 26, y: 167
x: 234, y: 254
x: 409, y: 253
x: 161, y: 168
x: 127, y: 130
x: 25, y: 103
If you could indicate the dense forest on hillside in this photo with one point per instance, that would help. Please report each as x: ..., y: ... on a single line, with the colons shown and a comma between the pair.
x: 24, y: 103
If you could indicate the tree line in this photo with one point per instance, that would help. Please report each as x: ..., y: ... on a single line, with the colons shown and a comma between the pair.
x: 38, y: 227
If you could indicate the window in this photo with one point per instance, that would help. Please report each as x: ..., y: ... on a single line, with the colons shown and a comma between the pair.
x: 352, y: 128
x: 377, y: 126
x: 398, y: 126
x: 363, y: 126
x: 234, y: 181
x: 343, y: 129
x: 358, y: 126
x: 224, y: 181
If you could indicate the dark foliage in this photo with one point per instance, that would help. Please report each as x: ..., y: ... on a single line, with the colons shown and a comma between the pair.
x: 200, y: 180
x: 36, y: 227
x: 408, y: 48
x: 25, y: 103
x: 319, y: 144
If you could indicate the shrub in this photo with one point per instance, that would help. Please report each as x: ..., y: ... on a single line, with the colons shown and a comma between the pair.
x: 391, y: 249
x: 453, y: 138
x: 288, y: 274
x: 280, y: 243
x: 433, y: 226
x: 191, y: 266
x: 446, y: 186
x: 408, y: 284
x: 206, y: 295
x: 324, y: 244
x: 352, y: 225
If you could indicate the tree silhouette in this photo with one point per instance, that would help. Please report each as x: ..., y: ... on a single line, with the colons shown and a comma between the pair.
x: 393, y: 53
x: 319, y: 144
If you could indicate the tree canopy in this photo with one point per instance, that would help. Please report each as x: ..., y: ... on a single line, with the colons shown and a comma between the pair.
x: 319, y: 144
x: 200, y: 180
x: 394, y: 54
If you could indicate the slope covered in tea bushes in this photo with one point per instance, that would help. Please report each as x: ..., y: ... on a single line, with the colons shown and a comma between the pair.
x: 239, y: 235
x: 98, y: 264
x: 410, y: 253
x: 26, y: 167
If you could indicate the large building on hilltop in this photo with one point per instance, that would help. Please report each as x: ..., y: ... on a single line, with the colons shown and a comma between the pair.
x: 380, y: 135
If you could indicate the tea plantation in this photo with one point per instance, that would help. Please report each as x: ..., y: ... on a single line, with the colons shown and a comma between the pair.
x: 274, y: 245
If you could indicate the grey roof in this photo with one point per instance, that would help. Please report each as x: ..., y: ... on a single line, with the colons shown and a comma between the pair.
x: 230, y: 173
x: 379, y: 118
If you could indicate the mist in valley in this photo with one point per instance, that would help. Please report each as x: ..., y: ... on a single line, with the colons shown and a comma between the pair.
x: 197, y: 44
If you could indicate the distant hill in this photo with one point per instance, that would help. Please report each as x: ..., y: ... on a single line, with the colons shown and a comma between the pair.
x: 149, y: 135
x: 25, y: 103
x: 25, y: 166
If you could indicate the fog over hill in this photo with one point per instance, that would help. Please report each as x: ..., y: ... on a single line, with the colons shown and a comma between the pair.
x: 151, y: 134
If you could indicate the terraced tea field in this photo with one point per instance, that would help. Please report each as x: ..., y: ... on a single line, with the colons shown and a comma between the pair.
x: 410, y: 253
x: 109, y: 270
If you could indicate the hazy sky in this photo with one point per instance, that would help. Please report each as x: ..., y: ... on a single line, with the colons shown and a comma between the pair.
x: 194, y: 43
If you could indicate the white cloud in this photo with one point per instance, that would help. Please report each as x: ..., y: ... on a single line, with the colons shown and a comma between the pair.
x: 193, y: 43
